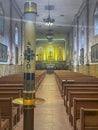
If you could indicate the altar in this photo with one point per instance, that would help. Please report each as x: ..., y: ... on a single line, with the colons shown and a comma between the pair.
x: 50, y: 68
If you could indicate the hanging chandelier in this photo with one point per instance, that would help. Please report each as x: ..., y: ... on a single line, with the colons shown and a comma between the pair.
x: 49, y: 32
x: 50, y: 40
x: 49, y: 35
x: 49, y: 21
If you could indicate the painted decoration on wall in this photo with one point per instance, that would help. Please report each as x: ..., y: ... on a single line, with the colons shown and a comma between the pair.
x: 94, y: 53
x: 3, y: 53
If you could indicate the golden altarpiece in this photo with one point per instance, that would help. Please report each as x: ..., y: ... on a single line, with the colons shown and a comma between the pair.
x: 50, y: 53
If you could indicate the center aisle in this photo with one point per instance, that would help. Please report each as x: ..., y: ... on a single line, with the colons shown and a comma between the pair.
x: 51, y: 115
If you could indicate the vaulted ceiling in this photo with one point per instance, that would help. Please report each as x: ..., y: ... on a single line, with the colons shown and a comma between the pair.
x: 63, y: 11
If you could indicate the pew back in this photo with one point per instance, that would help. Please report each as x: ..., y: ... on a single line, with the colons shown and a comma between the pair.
x: 82, y: 102
x: 88, y: 119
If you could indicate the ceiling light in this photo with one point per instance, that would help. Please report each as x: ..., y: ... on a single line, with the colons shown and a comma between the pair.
x: 49, y: 32
x: 49, y: 21
x: 50, y: 40
x: 49, y: 35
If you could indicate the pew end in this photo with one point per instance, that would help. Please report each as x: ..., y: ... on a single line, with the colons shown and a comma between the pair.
x: 88, y: 119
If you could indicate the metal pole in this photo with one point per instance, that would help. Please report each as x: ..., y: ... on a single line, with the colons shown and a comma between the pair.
x: 29, y: 65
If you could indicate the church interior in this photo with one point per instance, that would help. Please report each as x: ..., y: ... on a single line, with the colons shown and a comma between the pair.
x: 48, y: 65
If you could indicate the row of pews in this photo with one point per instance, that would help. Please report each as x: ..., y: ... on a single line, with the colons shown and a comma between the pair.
x: 11, y: 87
x: 80, y: 95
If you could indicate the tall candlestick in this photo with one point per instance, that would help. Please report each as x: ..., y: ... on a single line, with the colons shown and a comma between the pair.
x: 29, y: 65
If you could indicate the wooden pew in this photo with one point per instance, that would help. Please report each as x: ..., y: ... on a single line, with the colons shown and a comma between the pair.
x: 9, y: 89
x: 15, y: 82
x: 82, y: 102
x: 82, y: 94
x: 82, y: 84
x: 39, y: 78
x: 79, y: 87
x: 12, y: 85
x: 14, y: 95
x: 77, y: 80
x: 88, y: 119
x: 4, y: 124
x: 85, y: 87
x: 68, y: 77
x: 7, y: 111
x: 19, y: 78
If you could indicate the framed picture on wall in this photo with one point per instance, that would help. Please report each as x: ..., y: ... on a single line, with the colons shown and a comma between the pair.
x: 3, y: 53
x: 94, y: 53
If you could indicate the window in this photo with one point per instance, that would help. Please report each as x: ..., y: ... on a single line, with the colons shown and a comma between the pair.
x: 82, y: 39
x: 16, y: 35
x: 96, y: 21
x: 1, y: 20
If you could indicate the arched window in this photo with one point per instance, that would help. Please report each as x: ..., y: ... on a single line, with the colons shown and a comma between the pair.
x: 16, y: 35
x: 16, y: 44
x: 1, y: 20
x: 75, y: 51
x: 96, y: 21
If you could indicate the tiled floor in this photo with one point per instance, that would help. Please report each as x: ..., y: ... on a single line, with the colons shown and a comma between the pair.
x: 51, y: 115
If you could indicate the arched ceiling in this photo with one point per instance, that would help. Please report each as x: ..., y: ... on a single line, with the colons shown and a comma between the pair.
x: 63, y: 11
